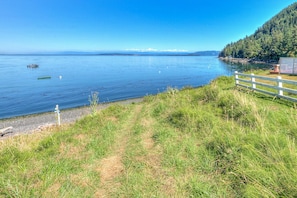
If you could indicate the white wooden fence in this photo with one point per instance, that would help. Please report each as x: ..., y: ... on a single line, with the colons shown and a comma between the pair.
x: 251, y: 83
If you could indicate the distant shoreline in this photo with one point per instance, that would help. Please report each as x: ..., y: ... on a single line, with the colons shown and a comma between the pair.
x: 117, y: 53
x: 114, y: 54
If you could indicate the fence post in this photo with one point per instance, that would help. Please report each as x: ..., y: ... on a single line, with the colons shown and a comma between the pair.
x: 57, y: 111
x: 280, y: 86
x: 236, y: 78
x: 253, y: 81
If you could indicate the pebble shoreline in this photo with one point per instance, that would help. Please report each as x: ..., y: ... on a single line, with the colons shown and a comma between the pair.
x: 36, y: 122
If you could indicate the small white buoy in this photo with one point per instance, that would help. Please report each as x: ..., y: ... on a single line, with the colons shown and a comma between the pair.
x: 60, y: 77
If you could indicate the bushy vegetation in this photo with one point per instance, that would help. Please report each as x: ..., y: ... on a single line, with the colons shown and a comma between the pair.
x: 276, y: 38
x: 213, y: 141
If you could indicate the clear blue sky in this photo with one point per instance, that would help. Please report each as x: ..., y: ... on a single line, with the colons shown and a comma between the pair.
x: 93, y: 25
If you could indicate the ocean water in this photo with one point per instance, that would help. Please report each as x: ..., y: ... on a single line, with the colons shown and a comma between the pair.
x: 74, y: 78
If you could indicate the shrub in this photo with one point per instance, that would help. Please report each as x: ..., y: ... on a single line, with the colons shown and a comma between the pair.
x: 94, y: 99
x: 172, y: 91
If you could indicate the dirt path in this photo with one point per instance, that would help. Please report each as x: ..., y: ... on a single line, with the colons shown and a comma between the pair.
x: 112, y: 166
x: 153, y: 159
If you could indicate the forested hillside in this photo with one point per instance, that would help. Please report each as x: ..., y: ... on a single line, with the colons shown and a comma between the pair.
x: 276, y: 38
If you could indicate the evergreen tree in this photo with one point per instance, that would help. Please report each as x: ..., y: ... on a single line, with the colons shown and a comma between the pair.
x: 276, y: 38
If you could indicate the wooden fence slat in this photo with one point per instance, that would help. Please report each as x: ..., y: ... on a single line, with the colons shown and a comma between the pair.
x: 279, y: 87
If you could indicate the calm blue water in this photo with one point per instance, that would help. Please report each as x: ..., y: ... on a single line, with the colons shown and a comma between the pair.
x: 114, y: 77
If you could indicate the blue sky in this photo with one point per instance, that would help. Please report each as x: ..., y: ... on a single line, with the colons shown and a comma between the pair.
x: 93, y: 25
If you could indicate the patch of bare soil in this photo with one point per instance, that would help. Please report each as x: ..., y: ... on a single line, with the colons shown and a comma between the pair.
x: 53, y: 190
x: 112, y: 166
x: 147, y: 139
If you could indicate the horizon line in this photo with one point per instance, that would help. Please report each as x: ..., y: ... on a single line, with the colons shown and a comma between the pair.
x: 106, y: 52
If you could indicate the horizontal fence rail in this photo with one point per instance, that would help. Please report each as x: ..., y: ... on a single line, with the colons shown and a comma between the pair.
x: 249, y: 81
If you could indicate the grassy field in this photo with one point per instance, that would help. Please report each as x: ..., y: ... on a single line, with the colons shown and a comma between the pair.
x: 214, y: 141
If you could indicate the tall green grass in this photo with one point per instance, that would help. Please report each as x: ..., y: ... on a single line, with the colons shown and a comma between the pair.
x: 244, y: 144
x: 213, y: 141
x: 64, y: 162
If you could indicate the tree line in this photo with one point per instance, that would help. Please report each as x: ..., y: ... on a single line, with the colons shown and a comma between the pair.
x: 276, y: 38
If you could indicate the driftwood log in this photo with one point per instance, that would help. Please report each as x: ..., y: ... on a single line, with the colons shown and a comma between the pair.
x: 6, y: 131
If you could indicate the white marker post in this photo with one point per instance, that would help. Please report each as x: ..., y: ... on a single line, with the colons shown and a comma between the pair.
x: 253, y: 79
x: 280, y: 86
x: 57, y: 111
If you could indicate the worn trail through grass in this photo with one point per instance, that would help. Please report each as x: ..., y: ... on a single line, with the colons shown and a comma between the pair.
x: 112, y: 165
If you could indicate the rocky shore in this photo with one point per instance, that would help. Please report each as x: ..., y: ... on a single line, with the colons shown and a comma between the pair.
x: 246, y: 61
x: 37, y: 122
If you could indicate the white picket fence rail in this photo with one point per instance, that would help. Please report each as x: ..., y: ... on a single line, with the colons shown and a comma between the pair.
x: 278, y: 85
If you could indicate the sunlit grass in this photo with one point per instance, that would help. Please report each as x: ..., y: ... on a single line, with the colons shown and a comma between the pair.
x: 214, y: 141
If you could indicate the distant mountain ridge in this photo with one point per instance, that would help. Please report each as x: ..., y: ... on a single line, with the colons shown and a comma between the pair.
x: 163, y: 53
x: 126, y: 53
x: 276, y: 38
x: 206, y: 53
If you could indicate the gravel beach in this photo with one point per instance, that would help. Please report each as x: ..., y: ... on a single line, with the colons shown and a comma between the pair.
x: 36, y: 122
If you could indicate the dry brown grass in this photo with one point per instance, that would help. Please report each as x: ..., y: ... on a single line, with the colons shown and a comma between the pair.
x: 110, y: 168
x: 53, y: 190
x: 29, y: 141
